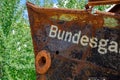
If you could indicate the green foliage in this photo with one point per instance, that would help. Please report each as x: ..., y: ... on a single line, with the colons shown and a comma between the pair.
x: 102, y: 7
x: 18, y: 57
x: 16, y: 51
x: 7, y: 13
x: 44, y: 3
x: 74, y: 4
x: 48, y: 3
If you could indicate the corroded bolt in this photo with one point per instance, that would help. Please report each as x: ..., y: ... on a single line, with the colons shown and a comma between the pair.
x: 43, y: 62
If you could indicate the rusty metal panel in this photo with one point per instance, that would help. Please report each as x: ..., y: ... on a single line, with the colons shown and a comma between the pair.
x: 102, y: 2
x: 75, y: 44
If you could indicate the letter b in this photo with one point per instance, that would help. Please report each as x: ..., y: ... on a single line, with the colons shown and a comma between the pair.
x: 53, y: 31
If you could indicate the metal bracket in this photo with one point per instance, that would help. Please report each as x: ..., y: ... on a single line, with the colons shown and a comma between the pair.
x: 102, y: 2
x: 91, y: 3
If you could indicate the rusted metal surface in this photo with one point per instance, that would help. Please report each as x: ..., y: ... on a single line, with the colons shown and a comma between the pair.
x: 43, y: 62
x: 102, y: 2
x: 75, y: 44
x: 111, y: 14
x: 115, y: 9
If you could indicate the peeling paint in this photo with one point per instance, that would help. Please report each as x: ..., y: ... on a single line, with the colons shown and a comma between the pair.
x: 54, y: 17
x: 67, y: 17
x: 110, y: 22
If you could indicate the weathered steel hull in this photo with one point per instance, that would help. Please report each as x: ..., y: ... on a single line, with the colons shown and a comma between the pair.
x: 75, y: 44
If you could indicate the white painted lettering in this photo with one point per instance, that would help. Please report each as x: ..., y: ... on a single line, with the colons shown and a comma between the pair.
x: 76, y: 37
x: 68, y: 36
x: 93, y: 42
x: 53, y: 31
x: 113, y: 47
x: 84, y: 40
x: 61, y: 35
x: 102, y: 46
